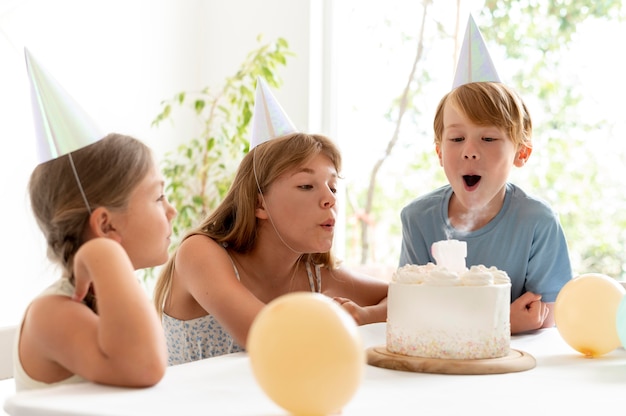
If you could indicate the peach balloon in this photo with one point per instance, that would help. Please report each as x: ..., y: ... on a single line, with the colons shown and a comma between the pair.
x: 306, y: 353
x: 585, y: 312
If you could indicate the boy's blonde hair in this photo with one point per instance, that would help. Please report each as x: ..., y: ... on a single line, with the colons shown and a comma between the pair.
x: 488, y: 104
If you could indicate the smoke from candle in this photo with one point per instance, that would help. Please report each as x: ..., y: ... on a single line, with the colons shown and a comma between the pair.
x: 466, y: 224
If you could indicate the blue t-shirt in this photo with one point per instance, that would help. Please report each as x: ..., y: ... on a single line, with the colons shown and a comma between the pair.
x: 525, y: 239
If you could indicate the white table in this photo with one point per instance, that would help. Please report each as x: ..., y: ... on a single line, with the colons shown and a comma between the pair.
x: 563, y: 383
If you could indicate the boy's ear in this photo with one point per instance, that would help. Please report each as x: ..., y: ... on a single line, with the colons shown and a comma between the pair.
x: 522, y: 155
x: 439, y: 155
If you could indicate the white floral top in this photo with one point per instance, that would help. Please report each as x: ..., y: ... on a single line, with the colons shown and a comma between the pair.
x: 204, y: 337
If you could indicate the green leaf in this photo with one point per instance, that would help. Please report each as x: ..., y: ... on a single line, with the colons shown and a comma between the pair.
x: 199, y: 106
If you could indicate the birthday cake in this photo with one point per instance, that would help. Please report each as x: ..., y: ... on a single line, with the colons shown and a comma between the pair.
x: 446, y: 311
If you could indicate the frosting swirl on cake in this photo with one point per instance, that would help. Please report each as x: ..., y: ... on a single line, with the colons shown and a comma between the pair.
x: 412, y: 273
x: 431, y: 274
x: 440, y: 276
x: 477, y: 276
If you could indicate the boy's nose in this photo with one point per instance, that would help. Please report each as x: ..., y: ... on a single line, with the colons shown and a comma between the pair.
x: 470, y: 152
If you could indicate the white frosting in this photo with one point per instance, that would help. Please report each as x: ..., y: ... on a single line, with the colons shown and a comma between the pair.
x: 477, y: 276
x: 431, y: 274
x: 433, y: 312
x: 412, y: 273
x: 442, y: 277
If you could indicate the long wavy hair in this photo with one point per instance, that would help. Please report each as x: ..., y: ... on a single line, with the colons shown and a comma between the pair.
x: 233, y: 223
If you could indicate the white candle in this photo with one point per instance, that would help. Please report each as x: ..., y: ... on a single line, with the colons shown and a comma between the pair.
x: 450, y: 254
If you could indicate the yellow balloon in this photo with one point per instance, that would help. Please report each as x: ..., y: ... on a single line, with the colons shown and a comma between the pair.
x: 585, y: 312
x: 306, y: 353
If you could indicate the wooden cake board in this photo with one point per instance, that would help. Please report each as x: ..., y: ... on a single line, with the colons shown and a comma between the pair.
x: 515, y: 361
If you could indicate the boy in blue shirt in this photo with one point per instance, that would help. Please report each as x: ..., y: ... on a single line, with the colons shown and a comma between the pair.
x: 483, y: 129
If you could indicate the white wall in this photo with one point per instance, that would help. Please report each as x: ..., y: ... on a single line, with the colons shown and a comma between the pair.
x: 119, y: 59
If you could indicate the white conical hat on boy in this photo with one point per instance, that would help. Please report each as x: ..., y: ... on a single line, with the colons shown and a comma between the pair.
x: 269, y: 120
x: 61, y: 126
x: 475, y: 64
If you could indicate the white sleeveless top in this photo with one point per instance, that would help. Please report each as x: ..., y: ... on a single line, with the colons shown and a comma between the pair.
x: 204, y: 337
x: 22, y: 380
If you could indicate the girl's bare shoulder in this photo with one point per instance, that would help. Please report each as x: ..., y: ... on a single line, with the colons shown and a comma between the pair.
x: 200, y: 254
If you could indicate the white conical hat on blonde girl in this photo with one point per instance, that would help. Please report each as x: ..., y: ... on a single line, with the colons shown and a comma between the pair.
x: 269, y: 120
x: 475, y: 64
x: 61, y: 126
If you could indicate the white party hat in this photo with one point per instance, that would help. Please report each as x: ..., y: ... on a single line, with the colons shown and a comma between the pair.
x: 269, y: 120
x: 61, y: 125
x: 475, y: 64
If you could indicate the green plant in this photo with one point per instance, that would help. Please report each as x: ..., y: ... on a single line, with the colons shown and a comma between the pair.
x: 198, y: 174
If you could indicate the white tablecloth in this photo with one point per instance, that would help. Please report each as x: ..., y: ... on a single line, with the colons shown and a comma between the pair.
x: 563, y: 383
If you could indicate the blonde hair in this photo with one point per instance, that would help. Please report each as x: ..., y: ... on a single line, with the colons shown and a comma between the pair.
x: 108, y: 171
x: 488, y: 103
x: 233, y: 223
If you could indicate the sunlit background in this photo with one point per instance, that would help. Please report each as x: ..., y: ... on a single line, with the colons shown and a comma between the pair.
x: 352, y: 59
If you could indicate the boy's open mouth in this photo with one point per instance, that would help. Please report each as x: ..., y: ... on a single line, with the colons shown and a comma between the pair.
x: 471, y: 180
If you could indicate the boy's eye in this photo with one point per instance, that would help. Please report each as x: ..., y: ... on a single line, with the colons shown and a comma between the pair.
x: 306, y: 186
x: 489, y: 139
x: 457, y: 139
